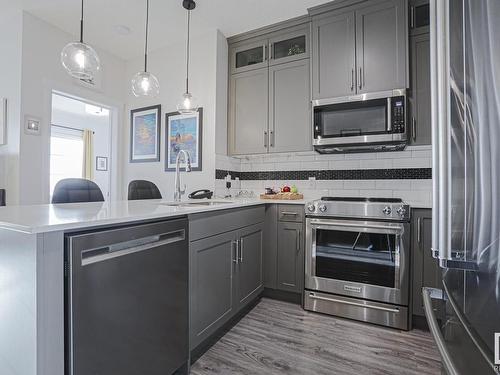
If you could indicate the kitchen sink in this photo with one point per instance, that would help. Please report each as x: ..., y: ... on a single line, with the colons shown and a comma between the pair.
x: 195, y: 204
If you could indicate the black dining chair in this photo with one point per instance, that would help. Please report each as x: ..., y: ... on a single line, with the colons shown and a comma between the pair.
x: 76, y: 190
x: 142, y: 189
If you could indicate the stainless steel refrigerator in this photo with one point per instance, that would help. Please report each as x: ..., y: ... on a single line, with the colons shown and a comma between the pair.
x: 465, y: 68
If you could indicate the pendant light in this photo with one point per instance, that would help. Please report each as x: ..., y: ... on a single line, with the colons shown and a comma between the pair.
x: 145, y: 83
x: 79, y: 59
x: 187, y: 105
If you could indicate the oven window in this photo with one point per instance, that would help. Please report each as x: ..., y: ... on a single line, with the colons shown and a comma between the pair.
x: 368, y: 258
x: 351, y: 119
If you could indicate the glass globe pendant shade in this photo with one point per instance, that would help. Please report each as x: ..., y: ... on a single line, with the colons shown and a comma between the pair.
x: 80, y: 60
x: 145, y: 84
x: 188, y: 105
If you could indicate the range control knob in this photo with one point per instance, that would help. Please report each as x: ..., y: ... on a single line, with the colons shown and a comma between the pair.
x: 401, y: 211
x: 387, y: 210
x: 322, y: 208
x: 311, y: 207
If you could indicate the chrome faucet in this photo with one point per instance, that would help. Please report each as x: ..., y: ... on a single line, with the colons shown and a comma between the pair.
x: 178, y: 193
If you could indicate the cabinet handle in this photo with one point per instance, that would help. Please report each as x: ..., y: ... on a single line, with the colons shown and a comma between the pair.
x: 419, y: 230
x: 265, y: 52
x: 412, y: 17
x: 271, y: 142
x: 413, y: 128
x: 234, y: 245
x: 289, y: 213
x: 265, y: 139
x: 298, y: 239
x: 241, y: 251
x: 360, y: 78
x: 352, y: 79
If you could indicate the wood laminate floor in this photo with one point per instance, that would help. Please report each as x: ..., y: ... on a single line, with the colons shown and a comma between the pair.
x: 281, y: 338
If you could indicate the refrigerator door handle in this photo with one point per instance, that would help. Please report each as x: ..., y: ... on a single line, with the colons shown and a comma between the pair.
x: 428, y: 294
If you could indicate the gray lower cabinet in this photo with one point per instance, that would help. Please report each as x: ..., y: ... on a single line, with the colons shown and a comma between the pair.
x: 284, y: 248
x: 289, y: 107
x: 248, y: 273
x: 290, y: 270
x: 226, y: 269
x: 426, y: 271
x: 333, y: 55
x: 420, y: 93
x: 212, y: 267
x: 248, y: 112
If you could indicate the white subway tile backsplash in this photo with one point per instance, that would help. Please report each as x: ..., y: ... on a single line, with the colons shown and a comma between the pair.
x: 412, y: 163
x: 376, y: 164
x: 393, y: 184
x: 362, y: 156
x: 394, y: 155
x: 343, y: 193
x: 314, y: 165
x: 288, y: 166
x: 344, y: 164
x: 359, y: 184
x: 330, y: 184
x: 376, y: 193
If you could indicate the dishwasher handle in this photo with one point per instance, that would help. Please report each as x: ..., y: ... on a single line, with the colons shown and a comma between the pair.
x: 101, y: 254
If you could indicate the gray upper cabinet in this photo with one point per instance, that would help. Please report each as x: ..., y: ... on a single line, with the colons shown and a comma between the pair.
x: 381, y: 46
x: 248, y: 56
x: 269, y: 92
x: 249, y: 273
x: 211, y: 284
x: 426, y: 271
x: 359, y: 49
x: 248, y: 112
x: 419, y: 17
x: 289, y: 107
x: 420, y: 92
x: 291, y: 46
x: 290, y: 274
x: 333, y: 55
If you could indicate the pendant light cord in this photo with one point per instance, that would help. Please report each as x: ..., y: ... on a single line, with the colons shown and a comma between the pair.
x: 146, y: 44
x: 187, y: 52
x: 81, y: 25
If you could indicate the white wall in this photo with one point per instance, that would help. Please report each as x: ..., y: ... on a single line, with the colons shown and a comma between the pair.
x: 41, y: 73
x: 10, y: 88
x: 101, y: 127
x: 169, y: 66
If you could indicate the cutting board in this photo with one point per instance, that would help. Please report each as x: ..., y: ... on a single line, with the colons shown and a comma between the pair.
x: 283, y: 196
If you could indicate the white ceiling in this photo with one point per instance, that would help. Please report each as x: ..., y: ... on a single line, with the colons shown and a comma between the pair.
x: 167, y: 19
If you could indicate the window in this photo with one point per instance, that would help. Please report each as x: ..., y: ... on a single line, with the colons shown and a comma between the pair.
x: 66, y: 154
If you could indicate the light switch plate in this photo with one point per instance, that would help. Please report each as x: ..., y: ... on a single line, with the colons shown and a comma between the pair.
x: 3, y: 121
x: 32, y: 125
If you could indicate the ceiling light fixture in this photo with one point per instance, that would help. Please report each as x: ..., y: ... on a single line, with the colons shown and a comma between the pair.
x: 188, y: 103
x: 145, y: 83
x: 79, y: 59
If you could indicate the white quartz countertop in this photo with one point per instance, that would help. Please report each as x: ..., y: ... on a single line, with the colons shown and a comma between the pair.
x: 72, y: 216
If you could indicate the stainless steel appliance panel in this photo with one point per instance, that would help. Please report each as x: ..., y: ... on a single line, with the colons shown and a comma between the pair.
x: 127, y: 300
x: 352, y: 308
x: 375, y: 276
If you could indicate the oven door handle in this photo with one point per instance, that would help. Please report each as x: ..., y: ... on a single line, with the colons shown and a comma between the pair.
x: 335, y: 225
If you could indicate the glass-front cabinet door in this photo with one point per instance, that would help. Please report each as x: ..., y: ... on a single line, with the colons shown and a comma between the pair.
x: 249, y: 56
x: 287, y: 47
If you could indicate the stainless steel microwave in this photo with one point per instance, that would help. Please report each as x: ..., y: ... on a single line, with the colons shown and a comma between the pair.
x: 361, y: 123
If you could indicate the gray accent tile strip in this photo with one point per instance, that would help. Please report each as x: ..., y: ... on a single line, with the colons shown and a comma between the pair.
x: 350, y: 174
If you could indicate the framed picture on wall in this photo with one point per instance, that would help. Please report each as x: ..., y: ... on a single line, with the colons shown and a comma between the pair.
x: 184, y: 132
x: 101, y: 163
x: 145, y: 128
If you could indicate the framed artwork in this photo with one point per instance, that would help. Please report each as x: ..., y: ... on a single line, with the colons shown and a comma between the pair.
x: 184, y: 132
x: 145, y: 128
x: 101, y: 163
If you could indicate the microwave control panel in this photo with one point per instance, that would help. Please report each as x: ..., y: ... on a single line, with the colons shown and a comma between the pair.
x: 398, y: 114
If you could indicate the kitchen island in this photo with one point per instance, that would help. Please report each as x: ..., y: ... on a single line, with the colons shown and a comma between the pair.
x: 32, y: 266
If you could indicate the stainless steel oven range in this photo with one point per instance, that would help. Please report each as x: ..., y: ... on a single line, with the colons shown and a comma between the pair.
x: 357, y: 259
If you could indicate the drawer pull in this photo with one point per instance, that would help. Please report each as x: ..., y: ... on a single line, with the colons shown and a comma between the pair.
x: 289, y: 213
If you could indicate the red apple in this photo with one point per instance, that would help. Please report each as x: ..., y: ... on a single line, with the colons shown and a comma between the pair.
x: 285, y: 189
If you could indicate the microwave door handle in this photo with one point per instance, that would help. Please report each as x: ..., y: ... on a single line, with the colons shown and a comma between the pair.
x: 389, y: 115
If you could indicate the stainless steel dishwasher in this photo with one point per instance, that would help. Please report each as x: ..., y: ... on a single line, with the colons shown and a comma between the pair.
x: 127, y: 300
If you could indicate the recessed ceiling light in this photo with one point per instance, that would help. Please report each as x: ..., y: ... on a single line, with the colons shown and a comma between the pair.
x: 122, y: 29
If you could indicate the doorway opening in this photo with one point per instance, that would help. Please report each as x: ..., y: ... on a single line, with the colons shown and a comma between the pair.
x: 80, y: 142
